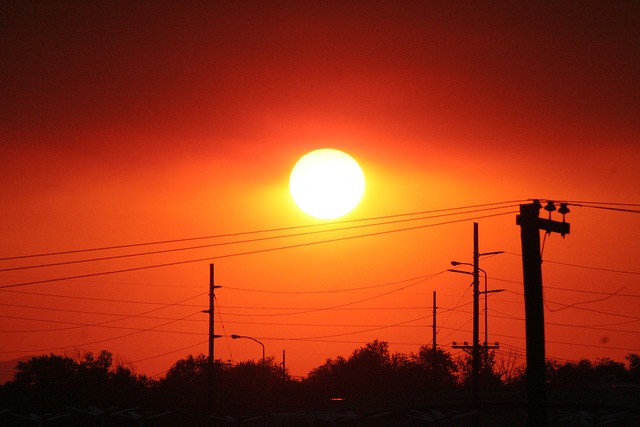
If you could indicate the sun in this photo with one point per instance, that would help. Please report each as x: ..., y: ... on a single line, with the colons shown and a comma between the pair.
x: 326, y: 183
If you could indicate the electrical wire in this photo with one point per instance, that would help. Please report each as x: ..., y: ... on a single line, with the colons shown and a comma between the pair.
x: 73, y: 311
x: 86, y: 325
x: 598, y: 327
x: 329, y: 291
x: 404, y: 324
x: 566, y: 306
x: 169, y: 352
x: 585, y: 309
x: 120, y: 318
x: 349, y: 303
x: 254, y: 240
x: 609, y: 270
x: 456, y: 306
x: 251, y: 252
x: 99, y: 341
x: 76, y: 297
x: 131, y: 245
x: 226, y: 337
x: 360, y: 331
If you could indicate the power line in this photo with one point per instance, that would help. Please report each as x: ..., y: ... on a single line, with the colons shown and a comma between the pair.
x: 226, y: 338
x: 568, y: 325
x: 120, y: 318
x: 76, y: 297
x: 100, y: 341
x: 168, y: 353
x: 608, y: 206
x: 252, y: 252
x: 131, y: 245
x: 329, y: 291
x: 312, y: 308
x: 360, y: 331
x: 324, y: 325
x: 575, y: 307
x: 92, y: 325
x: 74, y: 311
x: 609, y: 270
x: 254, y: 240
x: 635, y: 211
x: 566, y: 306
x: 367, y: 287
x: 137, y: 330
x: 424, y: 279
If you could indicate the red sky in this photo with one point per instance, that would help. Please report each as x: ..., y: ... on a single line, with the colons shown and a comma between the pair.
x: 134, y: 122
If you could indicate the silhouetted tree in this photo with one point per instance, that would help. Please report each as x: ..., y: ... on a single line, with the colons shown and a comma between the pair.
x: 508, y: 369
x: 324, y: 381
x: 43, y: 383
x: 364, y: 376
x: 441, y: 368
x: 53, y: 382
x: 571, y: 375
x: 184, y: 388
x: 370, y: 377
x: 606, y: 367
x: 634, y: 365
x: 490, y: 377
x: 254, y: 387
x: 367, y: 375
x: 425, y: 373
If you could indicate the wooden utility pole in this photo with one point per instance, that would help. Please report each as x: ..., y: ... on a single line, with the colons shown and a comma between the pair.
x: 212, y: 337
x: 530, y: 225
x: 284, y: 366
x: 211, y: 305
x: 475, y: 345
x: 435, y: 351
x: 475, y: 363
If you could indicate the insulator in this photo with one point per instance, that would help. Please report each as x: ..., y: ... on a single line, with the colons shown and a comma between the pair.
x: 550, y: 206
x: 563, y: 209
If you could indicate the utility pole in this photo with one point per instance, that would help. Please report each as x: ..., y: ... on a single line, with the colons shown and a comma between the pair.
x: 212, y: 336
x: 284, y: 366
x: 530, y: 226
x: 435, y: 352
x: 475, y: 346
x: 434, y: 362
x: 475, y: 367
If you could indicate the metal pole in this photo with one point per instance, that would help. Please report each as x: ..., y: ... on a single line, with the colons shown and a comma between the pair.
x: 476, y: 321
x: 211, y: 304
x: 212, y: 336
x: 210, y: 360
x: 284, y: 366
x: 434, y: 326
x: 486, y: 325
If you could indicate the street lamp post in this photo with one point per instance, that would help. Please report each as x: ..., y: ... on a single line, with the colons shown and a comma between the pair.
x: 264, y: 369
x: 475, y: 358
x: 486, y: 302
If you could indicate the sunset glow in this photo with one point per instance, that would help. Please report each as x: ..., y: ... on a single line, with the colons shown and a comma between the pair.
x: 142, y: 142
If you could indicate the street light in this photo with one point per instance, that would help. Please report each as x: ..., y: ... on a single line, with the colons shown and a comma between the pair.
x: 264, y: 369
x: 235, y: 337
x: 486, y: 292
x: 475, y: 360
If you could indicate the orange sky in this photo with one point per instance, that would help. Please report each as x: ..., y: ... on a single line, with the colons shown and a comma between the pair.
x: 129, y: 123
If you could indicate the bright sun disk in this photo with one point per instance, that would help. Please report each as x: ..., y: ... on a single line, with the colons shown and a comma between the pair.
x: 326, y: 183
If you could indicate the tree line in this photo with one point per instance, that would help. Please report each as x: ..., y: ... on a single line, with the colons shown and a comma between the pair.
x: 371, y: 377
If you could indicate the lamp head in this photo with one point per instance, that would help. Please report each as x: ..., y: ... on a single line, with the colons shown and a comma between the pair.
x: 455, y: 263
x: 235, y: 337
